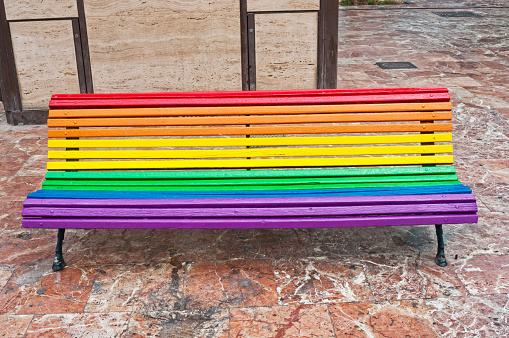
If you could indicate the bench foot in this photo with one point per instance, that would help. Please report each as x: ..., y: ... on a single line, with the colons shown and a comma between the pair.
x: 440, y: 257
x: 58, y: 262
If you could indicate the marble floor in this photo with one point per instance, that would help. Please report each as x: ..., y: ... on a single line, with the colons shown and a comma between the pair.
x: 360, y: 282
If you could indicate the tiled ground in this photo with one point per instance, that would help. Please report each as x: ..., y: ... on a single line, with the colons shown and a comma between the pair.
x: 361, y: 282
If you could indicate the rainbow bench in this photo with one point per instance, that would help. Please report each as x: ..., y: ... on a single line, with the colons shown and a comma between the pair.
x: 262, y: 159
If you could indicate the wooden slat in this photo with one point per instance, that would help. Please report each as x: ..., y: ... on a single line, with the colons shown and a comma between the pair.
x: 248, y: 223
x: 239, y: 153
x: 253, y: 141
x: 253, y: 181
x: 204, y: 212
x: 252, y: 130
x: 250, y: 110
x: 379, y: 191
x: 232, y: 188
x: 236, y: 120
x: 250, y: 202
x: 257, y: 93
x: 248, y: 101
x: 222, y: 174
x: 252, y: 163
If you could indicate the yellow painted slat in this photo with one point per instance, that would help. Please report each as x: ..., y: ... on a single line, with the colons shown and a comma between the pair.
x: 250, y: 110
x: 246, y: 142
x: 253, y: 163
x: 239, y: 153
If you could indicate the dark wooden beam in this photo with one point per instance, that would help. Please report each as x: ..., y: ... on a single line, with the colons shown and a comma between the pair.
x: 82, y: 23
x: 251, y: 38
x: 244, y: 49
x: 328, y: 44
x: 34, y: 116
x: 79, y: 55
x: 9, y: 85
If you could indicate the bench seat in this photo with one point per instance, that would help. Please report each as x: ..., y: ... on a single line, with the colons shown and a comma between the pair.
x: 239, y: 160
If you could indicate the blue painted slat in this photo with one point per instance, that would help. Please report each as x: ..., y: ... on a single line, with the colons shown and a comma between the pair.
x: 426, y: 190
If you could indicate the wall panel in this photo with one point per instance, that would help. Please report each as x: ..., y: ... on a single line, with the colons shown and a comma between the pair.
x: 45, y: 60
x: 282, y: 5
x: 40, y: 9
x: 154, y: 7
x: 286, y: 50
x: 148, y: 47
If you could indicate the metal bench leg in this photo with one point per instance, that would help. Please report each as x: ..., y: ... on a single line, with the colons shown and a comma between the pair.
x: 59, y: 263
x: 440, y: 257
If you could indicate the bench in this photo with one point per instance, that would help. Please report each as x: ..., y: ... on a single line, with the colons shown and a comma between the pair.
x: 261, y: 159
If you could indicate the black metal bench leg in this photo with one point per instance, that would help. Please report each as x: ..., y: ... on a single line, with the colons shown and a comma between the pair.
x: 440, y: 257
x: 59, y: 263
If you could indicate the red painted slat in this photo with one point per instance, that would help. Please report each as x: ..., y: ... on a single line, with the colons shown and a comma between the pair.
x: 257, y: 93
x: 242, y: 101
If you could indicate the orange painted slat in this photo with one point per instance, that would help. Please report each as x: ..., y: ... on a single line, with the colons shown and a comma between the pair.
x: 253, y: 130
x: 250, y: 110
x: 233, y: 120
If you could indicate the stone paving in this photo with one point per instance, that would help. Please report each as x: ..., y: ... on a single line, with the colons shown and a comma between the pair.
x: 361, y: 282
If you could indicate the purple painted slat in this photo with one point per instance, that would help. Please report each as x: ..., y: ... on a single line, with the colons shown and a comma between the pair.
x: 469, y: 207
x: 246, y: 202
x: 253, y: 223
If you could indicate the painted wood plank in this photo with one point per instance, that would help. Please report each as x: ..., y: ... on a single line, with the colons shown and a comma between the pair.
x: 253, y: 141
x: 246, y: 187
x: 293, y: 183
x: 250, y: 202
x: 220, y: 174
x: 250, y: 223
x: 247, y: 101
x: 386, y: 191
x: 251, y: 110
x: 241, y: 187
x: 239, y: 153
x: 252, y: 163
x: 236, y: 120
x: 254, y: 181
x: 252, y: 130
x: 218, y: 94
x: 132, y: 212
x: 268, y: 185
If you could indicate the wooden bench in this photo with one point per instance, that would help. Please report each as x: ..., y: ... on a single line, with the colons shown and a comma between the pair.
x: 238, y: 160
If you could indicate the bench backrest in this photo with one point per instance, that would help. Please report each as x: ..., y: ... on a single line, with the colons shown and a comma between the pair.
x: 238, y: 130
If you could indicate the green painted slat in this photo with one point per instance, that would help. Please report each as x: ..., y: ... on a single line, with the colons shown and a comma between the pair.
x: 259, y: 181
x: 251, y: 173
x: 249, y: 187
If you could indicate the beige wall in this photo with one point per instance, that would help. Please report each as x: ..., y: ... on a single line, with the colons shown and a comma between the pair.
x: 160, y: 45
x: 282, y: 5
x: 40, y: 9
x: 185, y: 45
x: 45, y: 60
x: 286, y: 50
